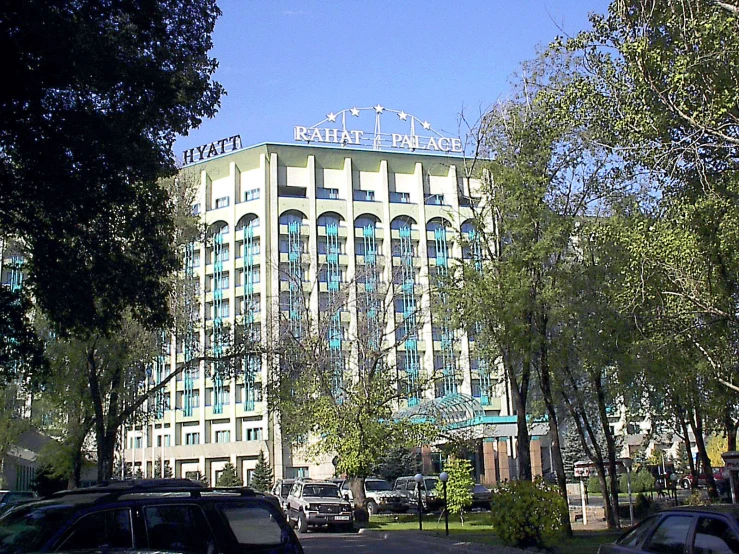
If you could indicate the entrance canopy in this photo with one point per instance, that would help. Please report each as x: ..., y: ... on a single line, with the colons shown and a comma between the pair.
x: 453, y: 410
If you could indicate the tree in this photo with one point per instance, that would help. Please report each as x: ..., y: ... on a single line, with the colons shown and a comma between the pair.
x: 263, y: 477
x: 92, y: 220
x: 158, y: 469
x: 459, y: 486
x: 333, y: 387
x: 396, y: 462
x: 229, y: 477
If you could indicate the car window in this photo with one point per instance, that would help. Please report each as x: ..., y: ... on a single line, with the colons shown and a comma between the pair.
x: 670, y: 535
x: 178, y: 528
x: 345, y: 486
x: 26, y: 529
x: 377, y: 486
x: 714, y: 536
x: 110, y: 529
x: 254, y: 525
x: 410, y: 485
x: 323, y: 491
x: 635, y: 536
x: 430, y: 484
x: 285, y: 489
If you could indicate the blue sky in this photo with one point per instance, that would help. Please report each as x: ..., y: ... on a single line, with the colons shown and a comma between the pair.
x: 291, y: 63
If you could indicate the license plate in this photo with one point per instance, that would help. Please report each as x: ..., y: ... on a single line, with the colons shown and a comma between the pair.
x: 342, y: 518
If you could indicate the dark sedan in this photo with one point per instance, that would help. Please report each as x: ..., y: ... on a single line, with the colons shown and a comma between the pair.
x: 696, y: 530
x: 481, y: 497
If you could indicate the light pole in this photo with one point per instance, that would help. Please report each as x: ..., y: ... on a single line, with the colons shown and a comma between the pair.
x: 627, y: 464
x: 418, y: 478
x: 444, y: 477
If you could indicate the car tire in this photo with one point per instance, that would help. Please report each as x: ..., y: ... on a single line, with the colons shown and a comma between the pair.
x: 685, y: 484
x: 302, y: 525
x: 372, y: 508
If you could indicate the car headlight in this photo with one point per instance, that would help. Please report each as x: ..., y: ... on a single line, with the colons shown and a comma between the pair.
x: 346, y: 507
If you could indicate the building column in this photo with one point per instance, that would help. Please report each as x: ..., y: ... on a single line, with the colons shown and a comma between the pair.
x: 505, y: 469
x: 488, y: 460
x: 536, y: 466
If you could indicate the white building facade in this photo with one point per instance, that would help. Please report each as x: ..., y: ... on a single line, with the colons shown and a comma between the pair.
x: 314, y: 214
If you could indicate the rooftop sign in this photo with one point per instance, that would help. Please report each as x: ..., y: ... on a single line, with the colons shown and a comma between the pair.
x: 211, y: 150
x: 407, y: 132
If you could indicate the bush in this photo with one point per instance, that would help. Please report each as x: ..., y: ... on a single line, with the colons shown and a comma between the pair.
x: 593, y: 485
x: 641, y: 481
x: 526, y: 514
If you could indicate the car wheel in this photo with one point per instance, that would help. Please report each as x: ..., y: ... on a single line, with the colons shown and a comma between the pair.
x: 302, y: 526
x: 685, y: 484
x: 372, y: 508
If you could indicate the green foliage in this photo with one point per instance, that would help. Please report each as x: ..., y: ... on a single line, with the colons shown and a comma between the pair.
x: 459, y: 486
x: 593, y: 485
x: 263, y: 476
x: 158, y: 469
x: 229, y: 477
x: 526, y: 513
x: 395, y: 463
x: 94, y: 220
x: 641, y: 481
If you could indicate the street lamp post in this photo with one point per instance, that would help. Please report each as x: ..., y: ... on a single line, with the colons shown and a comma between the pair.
x: 418, y: 478
x: 444, y: 477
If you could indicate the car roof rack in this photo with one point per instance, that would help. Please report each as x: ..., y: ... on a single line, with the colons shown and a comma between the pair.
x: 115, y: 489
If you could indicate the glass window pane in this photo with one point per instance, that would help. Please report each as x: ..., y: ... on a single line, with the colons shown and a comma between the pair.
x: 671, y: 535
x: 111, y: 529
x: 254, y: 525
x: 178, y: 528
x: 714, y: 536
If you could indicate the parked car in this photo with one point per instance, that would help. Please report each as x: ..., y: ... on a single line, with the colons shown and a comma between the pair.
x: 9, y: 499
x: 699, y: 530
x: 408, y: 487
x: 380, y: 496
x: 481, y: 496
x: 175, y: 515
x: 686, y: 481
x: 281, y: 490
x: 315, y: 503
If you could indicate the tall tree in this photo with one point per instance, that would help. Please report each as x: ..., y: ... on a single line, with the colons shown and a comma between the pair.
x: 100, y: 91
x: 345, y: 402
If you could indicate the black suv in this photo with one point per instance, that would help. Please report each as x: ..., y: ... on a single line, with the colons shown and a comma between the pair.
x: 175, y: 515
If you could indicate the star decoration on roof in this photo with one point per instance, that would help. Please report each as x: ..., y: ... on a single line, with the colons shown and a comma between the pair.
x: 426, y: 125
x: 379, y: 108
x: 355, y: 112
x: 331, y: 116
x: 402, y: 115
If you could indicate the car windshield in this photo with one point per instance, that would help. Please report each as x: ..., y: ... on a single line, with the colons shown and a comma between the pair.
x: 479, y: 488
x: 324, y: 491
x: 430, y: 484
x: 377, y: 486
x: 26, y: 529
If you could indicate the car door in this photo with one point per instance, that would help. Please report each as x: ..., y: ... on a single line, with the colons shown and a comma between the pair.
x: 292, y: 508
x: 671, y: 534
x: 714, y: 535
x: 179, y: 527
x: 104, y: 529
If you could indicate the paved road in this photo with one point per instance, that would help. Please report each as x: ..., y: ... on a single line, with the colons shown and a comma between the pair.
x: 397, y: 542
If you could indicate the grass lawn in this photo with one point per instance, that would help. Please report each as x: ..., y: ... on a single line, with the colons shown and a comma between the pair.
x: 477, y: 528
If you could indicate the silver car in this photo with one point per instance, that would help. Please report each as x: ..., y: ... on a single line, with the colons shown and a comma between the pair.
x: 316, y: 503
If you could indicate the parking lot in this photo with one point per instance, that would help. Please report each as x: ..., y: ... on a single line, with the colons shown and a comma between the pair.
x: 396, y: 542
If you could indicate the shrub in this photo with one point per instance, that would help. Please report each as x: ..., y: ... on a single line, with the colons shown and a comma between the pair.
x: 526, y: 514
x: 593, y: 485
x: 459, y: 487
x: 641, y: 481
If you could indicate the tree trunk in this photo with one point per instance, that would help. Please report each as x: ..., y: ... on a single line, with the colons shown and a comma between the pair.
x: 359, y: 498
x: 705, y: 462
x: 688, y: 444
x: 106, y: 455
x: 730, y: 428
x: 545, y: 383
